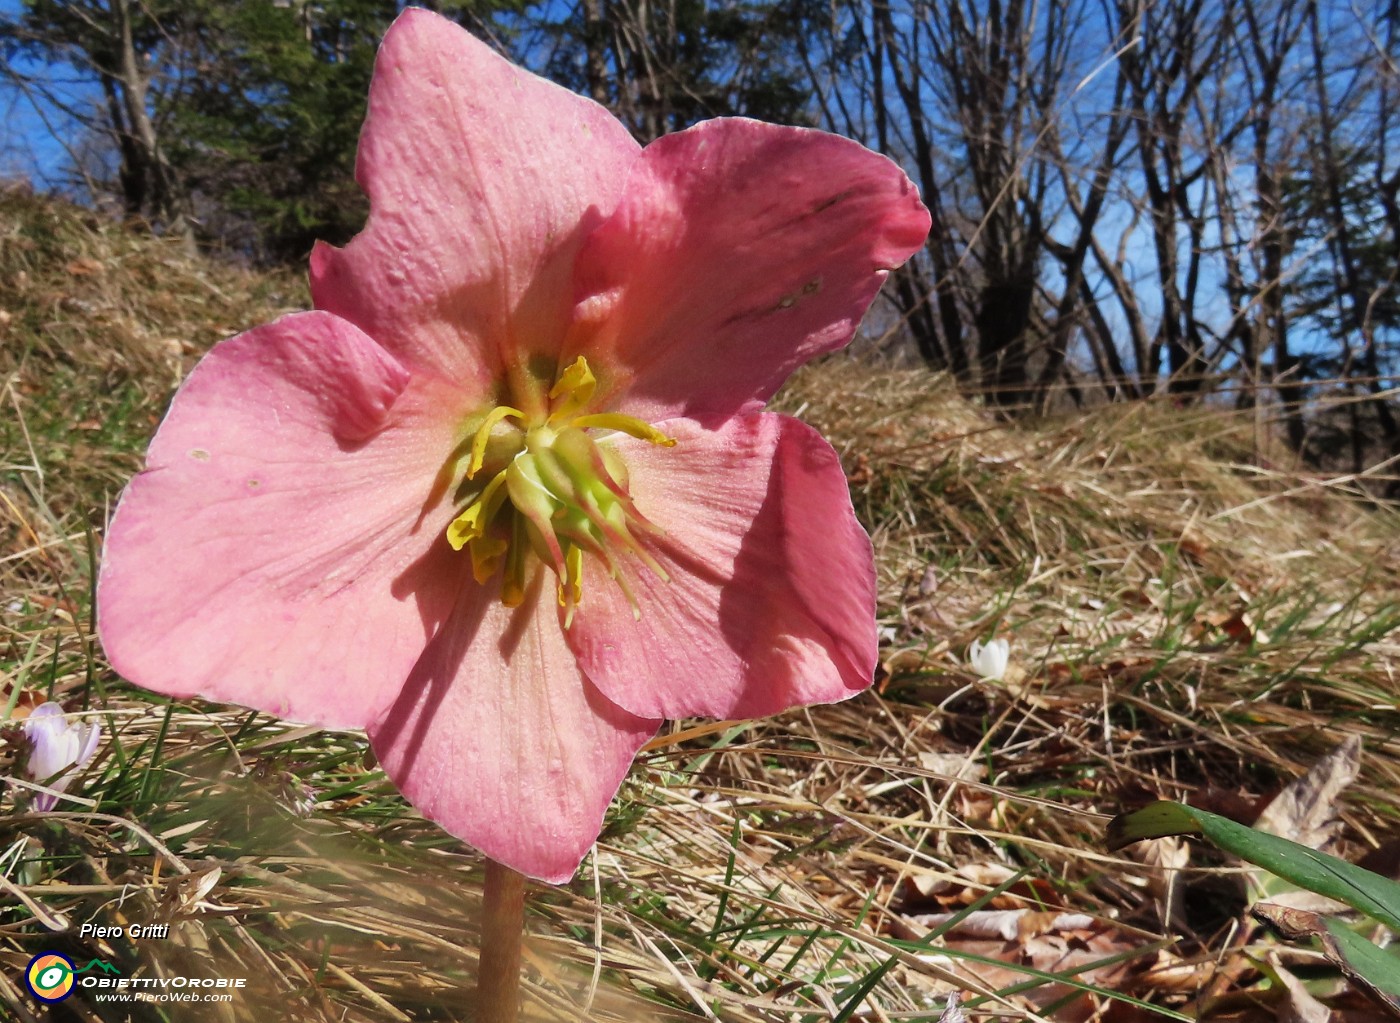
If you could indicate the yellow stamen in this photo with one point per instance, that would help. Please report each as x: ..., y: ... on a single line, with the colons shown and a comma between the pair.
x: 575, y: 385
x: 471, y: 524
x: 513, y: 583
x: 629, y: 425
x: 483, y: 435
x: 567, y: 494
x: 571, y: 586
x: 487, y: 554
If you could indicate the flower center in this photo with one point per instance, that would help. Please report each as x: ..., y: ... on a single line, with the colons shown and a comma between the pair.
x: 552, y: 492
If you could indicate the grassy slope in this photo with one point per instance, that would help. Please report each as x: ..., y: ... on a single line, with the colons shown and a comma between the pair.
x: 1183, y: 621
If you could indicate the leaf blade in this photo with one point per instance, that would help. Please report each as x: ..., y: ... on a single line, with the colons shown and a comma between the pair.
x: 1376, y: 896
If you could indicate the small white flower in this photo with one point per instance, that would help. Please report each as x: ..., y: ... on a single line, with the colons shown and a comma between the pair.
x: 56, y: 745
x: 990, y: 661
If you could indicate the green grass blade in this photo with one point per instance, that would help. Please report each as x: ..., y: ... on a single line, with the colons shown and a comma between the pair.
x: 1376, y: 967
x: 1376, y: 896
x: 1370, y: 967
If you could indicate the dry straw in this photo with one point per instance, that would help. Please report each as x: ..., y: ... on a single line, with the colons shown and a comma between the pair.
x: 1187, y: 618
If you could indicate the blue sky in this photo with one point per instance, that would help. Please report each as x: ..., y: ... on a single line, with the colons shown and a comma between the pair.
x: 36, y: 149
x: 28, y: 147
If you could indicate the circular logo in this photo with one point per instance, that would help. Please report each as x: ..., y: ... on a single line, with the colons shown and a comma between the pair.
x: 50, y: 976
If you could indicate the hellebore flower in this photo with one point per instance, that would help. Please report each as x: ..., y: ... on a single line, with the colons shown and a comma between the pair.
x: 57, y: 745
x: 507, y: 498
x: 990, y: 661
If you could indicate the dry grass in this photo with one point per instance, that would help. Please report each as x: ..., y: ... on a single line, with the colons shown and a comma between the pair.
x: 1184, y: 621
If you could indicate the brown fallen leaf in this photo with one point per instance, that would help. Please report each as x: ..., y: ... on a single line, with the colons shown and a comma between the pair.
x: 84, y: 267
x: 1163, y: 860
x: 1007, y: 924
x: 1299, y: 925
x: 934, y: 894
x: 1306, y: 812
x: 998, y: 963
x: 1298, y: 1005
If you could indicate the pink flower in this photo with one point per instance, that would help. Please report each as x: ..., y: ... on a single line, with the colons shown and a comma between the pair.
x: 55, y: 746
x: 507, y: 499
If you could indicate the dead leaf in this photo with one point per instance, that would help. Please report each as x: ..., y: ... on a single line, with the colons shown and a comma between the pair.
x: 1001, y: 963
x: 860, y: 474
x: 1298, y: 1006
x: 1007, y: 924
x: 25, y: 704
x: 1194, y: 547
x: 85, y: 267
x: 1237, y: 626
x: 1298, y: 925
x: 952, y: 1010
x: 1305, y: 811
x: 939, y: 897
x: 953, y: 764
x: 188, y: 893
x: 1163, y: 860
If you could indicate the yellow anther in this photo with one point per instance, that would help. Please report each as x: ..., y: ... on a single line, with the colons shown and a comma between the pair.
x: 575, y: 386
x: 513, y: 579
x: 629, y: 425
x: 465, y: 528
x: 487, y: 554
x: 483, y: 435
x: 571, y: 586
x: 471, y: 524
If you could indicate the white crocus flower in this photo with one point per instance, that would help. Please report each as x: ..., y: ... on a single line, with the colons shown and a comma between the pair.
x: 990, y: 661
x: 57, y: 745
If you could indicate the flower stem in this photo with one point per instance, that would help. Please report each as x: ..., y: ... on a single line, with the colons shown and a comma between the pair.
x: 502, y: 927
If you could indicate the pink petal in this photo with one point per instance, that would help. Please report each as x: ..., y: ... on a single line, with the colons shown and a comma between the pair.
x: 740, y: 251
x: 501, y: 740
x: 276, y: 552
x: 483, y: 180
x: 771, y: 600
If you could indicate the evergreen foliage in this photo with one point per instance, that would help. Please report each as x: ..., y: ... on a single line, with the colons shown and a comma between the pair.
x: 236, y: 123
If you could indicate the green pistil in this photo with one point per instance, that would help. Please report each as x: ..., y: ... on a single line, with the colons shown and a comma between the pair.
x: 554, y: 494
